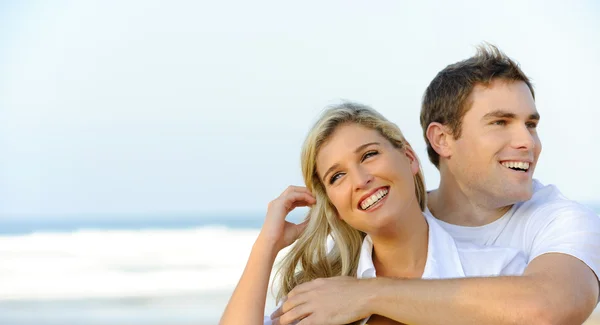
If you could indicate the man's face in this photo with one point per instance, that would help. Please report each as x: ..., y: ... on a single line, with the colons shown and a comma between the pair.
x: 496, y: 154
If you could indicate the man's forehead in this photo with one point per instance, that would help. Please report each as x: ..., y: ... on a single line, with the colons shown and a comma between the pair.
x: 502, y: 98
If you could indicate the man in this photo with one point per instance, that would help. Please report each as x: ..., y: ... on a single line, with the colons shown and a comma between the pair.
x: 479, y: 120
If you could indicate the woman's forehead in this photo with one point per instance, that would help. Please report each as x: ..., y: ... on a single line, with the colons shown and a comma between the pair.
x: 350, y: 135
x: 344, y: 143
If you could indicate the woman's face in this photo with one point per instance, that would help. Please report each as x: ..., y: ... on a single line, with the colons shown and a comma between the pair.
x: 367, y: 179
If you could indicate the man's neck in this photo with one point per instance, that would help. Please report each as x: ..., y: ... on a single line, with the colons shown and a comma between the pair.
x: 452, y: 204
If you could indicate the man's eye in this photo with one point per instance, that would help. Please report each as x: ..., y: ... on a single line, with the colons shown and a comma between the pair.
x: 499, y: 122
x: 369, y: 154
x: 531, y: 125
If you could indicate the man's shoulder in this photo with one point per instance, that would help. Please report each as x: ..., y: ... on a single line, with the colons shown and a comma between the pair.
x: 548, y: 204
x: 544, y: 195
x: 547, y: 198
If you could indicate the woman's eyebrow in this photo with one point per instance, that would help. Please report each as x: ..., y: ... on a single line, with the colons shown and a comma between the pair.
x: 358, y: 149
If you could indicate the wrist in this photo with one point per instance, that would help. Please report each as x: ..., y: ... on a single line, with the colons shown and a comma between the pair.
x: 266, y: 246
x: 369, y: 287
x: 376, y: 294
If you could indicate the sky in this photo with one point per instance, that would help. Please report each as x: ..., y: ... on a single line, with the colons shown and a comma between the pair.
x: 200, y: 107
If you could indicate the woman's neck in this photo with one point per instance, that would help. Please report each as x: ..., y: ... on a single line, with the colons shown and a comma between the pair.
x: 402, y: 253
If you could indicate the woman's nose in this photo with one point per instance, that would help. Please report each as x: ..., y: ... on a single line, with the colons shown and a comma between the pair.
x: 361, y: 179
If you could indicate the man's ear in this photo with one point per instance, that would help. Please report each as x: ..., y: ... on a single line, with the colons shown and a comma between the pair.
x: 440, y: 138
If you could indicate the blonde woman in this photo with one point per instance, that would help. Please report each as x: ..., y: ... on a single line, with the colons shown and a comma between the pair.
x: 366, y: 193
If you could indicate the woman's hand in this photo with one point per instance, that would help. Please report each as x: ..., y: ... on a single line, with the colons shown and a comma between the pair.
x: 247, y: 304
x: 276, y: 230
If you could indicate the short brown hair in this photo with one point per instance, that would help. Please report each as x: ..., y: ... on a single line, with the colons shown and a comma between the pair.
x: 446, y: 98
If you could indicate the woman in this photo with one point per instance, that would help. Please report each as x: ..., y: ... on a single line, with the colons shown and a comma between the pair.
x: 366, y: 193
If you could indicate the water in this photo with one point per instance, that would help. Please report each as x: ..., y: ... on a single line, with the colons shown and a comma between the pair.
x: 126, y: 271
x: 150, y: 271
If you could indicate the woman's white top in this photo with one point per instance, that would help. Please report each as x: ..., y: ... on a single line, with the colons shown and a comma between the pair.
x: 447, y: 258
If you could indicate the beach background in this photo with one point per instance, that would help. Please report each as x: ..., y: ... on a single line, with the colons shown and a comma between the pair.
x: 165, y: 271
x: 141, y: 141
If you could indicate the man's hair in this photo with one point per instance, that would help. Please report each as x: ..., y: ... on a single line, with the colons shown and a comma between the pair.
x: 446, y: 99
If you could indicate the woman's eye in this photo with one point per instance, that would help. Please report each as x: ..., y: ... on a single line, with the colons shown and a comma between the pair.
x: 369, y: 154
x: 334, y: 178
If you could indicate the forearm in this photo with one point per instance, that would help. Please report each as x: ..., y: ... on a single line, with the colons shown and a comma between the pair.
x: 247, y: 304
x: 500, y: 300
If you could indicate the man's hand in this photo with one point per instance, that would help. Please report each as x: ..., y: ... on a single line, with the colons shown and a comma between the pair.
x: 330, y: 301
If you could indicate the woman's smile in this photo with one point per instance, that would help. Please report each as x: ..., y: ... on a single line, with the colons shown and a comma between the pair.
x: 374, y: 199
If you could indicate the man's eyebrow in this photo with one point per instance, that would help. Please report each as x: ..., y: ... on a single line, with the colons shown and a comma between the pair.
x: 499, y: 114
x: 535, y: 116
x: 357, y: 150
x: 504, y: 114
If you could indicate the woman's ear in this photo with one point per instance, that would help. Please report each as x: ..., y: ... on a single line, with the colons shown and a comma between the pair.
x: 412, y: 158
x: 439, y: 137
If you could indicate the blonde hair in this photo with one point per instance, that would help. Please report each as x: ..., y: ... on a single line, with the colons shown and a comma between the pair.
x: 308, y: 259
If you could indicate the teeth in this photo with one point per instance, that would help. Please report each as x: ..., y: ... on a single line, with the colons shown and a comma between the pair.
x: 368, y: 202
x: 516, y: 164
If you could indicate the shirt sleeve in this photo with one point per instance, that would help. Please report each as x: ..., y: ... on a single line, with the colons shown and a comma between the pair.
x: 569, y: 229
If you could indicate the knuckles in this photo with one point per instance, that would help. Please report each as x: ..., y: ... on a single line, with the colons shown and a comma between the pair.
x: 288, y: 190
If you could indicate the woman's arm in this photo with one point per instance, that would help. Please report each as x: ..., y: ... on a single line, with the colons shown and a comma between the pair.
x: 247, y: 304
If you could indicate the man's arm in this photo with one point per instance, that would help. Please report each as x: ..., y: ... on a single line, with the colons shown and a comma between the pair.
x: 555, y: 289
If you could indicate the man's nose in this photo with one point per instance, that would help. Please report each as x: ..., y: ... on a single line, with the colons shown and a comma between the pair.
x: 523, y: 139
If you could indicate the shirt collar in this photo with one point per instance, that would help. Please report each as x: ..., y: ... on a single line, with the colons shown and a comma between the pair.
x: 443, y: 260
x: 366, y: 268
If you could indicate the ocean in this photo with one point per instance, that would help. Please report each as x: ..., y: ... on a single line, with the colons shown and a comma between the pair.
x: 122, y: 271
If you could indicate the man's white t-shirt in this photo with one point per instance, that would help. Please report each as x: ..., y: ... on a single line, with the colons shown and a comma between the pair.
x: 447, y: 258
x: 547, y: 223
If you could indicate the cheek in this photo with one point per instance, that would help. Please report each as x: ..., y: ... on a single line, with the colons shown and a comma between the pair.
x: 485, y: 146
x: 339, y: 199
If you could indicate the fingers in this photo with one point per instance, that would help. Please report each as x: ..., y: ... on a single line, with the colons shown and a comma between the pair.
x: 279, y: 317
x: 297, y: 313
x: 306, y: 321
x: 291, y: 198
x: 287, y: 306
x: 277, y: 313
x: 293, y: 188
x: 301, y: 199
x: 276, y: 230
x: 304, y: 287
